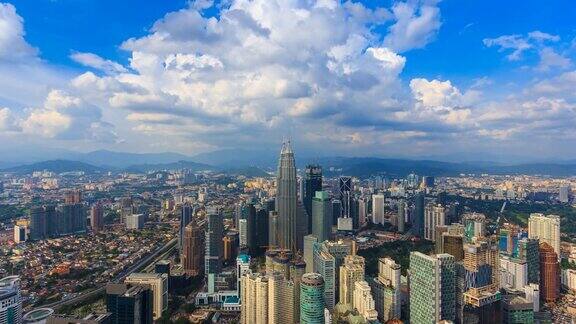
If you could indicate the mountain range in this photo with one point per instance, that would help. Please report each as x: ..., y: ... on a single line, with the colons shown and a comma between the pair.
x: 259, y: 163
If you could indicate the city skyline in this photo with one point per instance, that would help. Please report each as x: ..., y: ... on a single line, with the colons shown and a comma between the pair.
x: 403, y: 78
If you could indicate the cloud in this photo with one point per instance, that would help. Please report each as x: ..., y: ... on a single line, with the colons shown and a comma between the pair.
x: 516, y: 43
x: 540, y: 36
x: 13, y: 46
x: 96, y: 62
x: 64, y: 116
x: 416, y: 25
x: 550, y: 59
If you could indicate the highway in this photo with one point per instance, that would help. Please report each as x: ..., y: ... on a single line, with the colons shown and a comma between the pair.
x: 147, y: 262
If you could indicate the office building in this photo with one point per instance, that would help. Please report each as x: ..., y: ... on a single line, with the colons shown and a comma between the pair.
x: 134, y: 221
x: 158, y: 284
x: 261, y: 232
x: 564, y: 194
x: 286, y: 199
x: 97, y: 217
x: 309, y: 241
x: 10, y: 300
x: 242, y: 268
x: 432, y: 288
x: 43, y: 222
x: 325, y: 265
x: 452, y: 244
x: 129, y: 304
x: 345, y: 194
x: 549, y: 273
x: 546, y: 229
x: 378, y: 209
x: 401, y: 216
x: 193, y: 249
x: 71, y: 216
x: 248, y: 230
x: 517, y: 310
x: 21, y: 231
x: 243, y: 233
x: 386, y: 290
x: 418, y: 219
x: 434, y: 216
x: 474, y: 225
x: 282, y: 306
x: 213, y: 242
x: 363, y: 210
x: 273, y: 230
x: 529, y: 251
x: 513, y: 273
x: 186, y: 214
x: 312, y: 299
x: 428, y: 182
x: 312, y: 184
x: 363, y: 301
x: 321, y: 216
x: 254, y: 299
x: 351, y: 271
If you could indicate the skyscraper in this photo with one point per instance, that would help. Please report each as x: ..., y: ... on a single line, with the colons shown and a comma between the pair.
x: 214, y: 243
x: 546, y: 229
x: 350, y: 272
x: 321, y: 216
x: 418, y: 219
x: 529, y: 251
x: 433, y: 216
x: 312, y: 183
x: 10, y: 300
x: 312, y: 299
x: 386, y: 289
x: 254, y: 299
x: 432, y: 288
x: 564, y: 194
x: 286, y: 199
x: 378, y: 209
x: 363, y: 301
x: 325, y: 265
x: 193, y: 249
x: 549, y: 273
x: 129, y: 304
x: 345, y: 191
x: 281, y: 299
x: 401, y: 215
x: 158, y: 283
x: 186, y: 214
x: 97, y: 217
x: 309, y: 242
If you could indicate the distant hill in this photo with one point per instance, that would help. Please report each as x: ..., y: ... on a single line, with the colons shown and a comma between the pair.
x: 193, y: 166
x: 124, y: 160
x: 56, y: 166
x: 251, y: 172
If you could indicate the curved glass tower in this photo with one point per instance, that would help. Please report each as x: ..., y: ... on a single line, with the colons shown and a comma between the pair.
x: 286, y: 198
x: 312, y: 299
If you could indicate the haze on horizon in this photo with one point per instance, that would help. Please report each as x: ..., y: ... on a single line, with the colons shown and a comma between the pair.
x: 416, y: 78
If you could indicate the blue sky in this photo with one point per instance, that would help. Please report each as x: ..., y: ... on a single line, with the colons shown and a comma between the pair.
x: 413, y: 78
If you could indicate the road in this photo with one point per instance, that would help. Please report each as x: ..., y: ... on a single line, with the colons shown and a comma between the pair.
x: 157, y: 255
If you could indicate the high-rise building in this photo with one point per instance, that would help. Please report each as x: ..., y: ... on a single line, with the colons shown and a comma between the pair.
x: 549, y: 273
x: 311, y: 299
x: 43, y: 222
x: 273, y: 230
x: 363, y: 209
x: 513, y: 273
x: 10, y: 300
x: 336, y: 209
x: 214, y: 243
x: 286, y: 199
x: 21, y: 231
x: 261, y: 232
x: 529, y: 251
x: 378, y: 209
x: 345, y: 194
x: 186, y: 214
x: 321, y: 216
x: 474, y: 225
x: 428, y: 182
x: 418, y: 219
x: 72, y: 218
x: 546, y: 229
x: 242, y: 269
x: 312, y: 183
x: 325, y: 265
x: 309, y: 241
x: 432, y: 288
x: 517, y: 310
x: 249, y: 215
x: 129, y: 304
x: 243, y: 233
x: 96, y: 217
x: 193, y: 249
x: 564, y: 194
x: 281, y: 299
x: 363, y: 301
x: 433, y: 216
x: 351, y: 272
x: 401, y: 215
x: 158, y: 283
x: 254, y: 299
x: 134, y: 221
x: 386, y: 290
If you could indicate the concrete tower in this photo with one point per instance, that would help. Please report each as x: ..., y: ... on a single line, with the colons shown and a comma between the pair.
x: 286, y: 198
